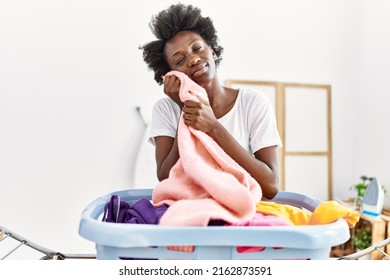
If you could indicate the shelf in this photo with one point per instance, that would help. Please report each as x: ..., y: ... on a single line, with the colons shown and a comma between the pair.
x: 387, y: 219
x: 380, y: 230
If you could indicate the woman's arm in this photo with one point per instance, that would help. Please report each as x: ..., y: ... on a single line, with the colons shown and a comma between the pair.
x: 263, y: 166
x: 166, y: 149
x: 166, y: 154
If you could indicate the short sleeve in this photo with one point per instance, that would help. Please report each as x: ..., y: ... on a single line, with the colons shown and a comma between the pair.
x: 165, y: 117
x: 263, y: 131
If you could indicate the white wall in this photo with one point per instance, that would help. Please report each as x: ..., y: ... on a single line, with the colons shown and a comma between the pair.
x: 71, y: 74
x: 372, y: 127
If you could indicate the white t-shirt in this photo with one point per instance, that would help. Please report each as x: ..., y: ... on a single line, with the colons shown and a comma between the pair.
x: 251, y: 121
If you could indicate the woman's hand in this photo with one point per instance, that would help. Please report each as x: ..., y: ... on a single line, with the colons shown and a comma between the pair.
x: 172, y: 89
x: 199, y: 115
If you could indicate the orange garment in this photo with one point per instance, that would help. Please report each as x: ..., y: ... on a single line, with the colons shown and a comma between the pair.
x: 330, y: 211
x: 325, y: 213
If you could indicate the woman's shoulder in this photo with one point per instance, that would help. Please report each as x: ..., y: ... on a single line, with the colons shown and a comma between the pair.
x: 164, y: 101
x: 166, y: 104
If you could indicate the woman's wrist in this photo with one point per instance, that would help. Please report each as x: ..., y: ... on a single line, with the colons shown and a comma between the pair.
x: 217, y: 132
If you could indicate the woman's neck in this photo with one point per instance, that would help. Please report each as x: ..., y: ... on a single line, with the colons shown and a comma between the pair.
x: 221, y: 100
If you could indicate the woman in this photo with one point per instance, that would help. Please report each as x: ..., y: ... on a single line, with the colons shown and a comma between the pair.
x: 242, y: 121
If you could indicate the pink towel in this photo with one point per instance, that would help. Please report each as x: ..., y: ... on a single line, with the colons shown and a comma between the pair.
x: 205, y: 184
x: 258, y: 220
x: 261, y: 220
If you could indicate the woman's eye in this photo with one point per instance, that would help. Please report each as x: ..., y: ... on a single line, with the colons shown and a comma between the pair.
x: 197, y: 48
x: 179, y: 61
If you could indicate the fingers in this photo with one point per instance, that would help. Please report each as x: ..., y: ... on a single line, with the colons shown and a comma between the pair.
x: 196, y: 104
x: 202, y: 100
x: 172, y: 88
x: 171, y: 84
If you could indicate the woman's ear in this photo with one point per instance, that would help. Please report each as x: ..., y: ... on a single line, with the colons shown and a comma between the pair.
x: 214, y: 54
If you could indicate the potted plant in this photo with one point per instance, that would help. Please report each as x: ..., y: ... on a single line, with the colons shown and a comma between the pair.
x: 361, y: 186
x: 361, y: 239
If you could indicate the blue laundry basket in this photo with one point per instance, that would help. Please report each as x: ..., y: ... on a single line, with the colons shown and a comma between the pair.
x: 142, y: 241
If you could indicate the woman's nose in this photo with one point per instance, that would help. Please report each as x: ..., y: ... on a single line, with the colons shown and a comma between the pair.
x: 194, y: 60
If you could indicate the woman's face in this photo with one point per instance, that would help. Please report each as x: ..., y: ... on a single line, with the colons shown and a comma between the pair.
x: 187, y: 52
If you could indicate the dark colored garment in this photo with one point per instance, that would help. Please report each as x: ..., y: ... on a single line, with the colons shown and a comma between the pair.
x: 143, y: 212
x: 217, y: 223
x: 138, y: 212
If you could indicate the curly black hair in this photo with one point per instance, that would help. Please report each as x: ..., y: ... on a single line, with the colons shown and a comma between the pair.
x: 166, y: 24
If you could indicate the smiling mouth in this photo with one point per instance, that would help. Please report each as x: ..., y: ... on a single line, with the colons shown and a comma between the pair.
x: 200, y: 70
